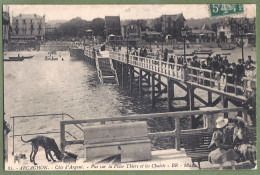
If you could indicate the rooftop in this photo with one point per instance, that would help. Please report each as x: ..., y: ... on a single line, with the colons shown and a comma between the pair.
x: 201, y: 31
x: 174, y: 17
x: 29, y: 16
x: 112, y: 21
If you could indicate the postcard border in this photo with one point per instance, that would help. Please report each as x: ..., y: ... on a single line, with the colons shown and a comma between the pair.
x: 163, y: 172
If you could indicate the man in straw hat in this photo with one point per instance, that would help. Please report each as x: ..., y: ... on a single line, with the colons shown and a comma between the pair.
x: 224, y: 151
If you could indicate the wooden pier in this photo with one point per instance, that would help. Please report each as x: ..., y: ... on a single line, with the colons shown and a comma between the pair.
x: 148, y: 76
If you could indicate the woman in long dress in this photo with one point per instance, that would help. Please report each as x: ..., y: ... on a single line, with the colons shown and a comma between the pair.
x: 224, y: 151
x: 243, y: 141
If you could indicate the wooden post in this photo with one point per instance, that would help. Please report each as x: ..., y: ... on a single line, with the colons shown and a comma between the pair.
x: 191, y: 103
x: 149, y: 78
x: 191, y: 97
x: 159, y: 81
x: 225, y: 105
x: 62, y: 137
x: 209, y: 98
x: 178, y: 133
x: 140, y: 82
x: 170, y: 93
x: 131, y: 79
x: 170, y: 90
x: 153, y: 91
x: 122, y: 75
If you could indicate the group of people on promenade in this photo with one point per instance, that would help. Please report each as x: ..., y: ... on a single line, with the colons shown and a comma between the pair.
x: 232, y: 141
x: 217, y: 63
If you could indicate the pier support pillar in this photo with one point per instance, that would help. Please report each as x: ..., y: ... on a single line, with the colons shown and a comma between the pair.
x: 191, y: 105
x: 131, y: 74
x: 159, y: 80
x: 122, y: 75
x: 153, y: 91
x: 225, y: 104
x: 209, y: 98
x: 170, y: 94
x: 140, y: 86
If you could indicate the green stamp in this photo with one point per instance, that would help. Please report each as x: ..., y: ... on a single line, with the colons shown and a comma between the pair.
x: 225, y: 9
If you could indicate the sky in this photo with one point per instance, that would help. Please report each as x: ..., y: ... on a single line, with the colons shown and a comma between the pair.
x: 89, y: 12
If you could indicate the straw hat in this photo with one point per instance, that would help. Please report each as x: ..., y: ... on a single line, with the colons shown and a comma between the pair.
x: 221, y: 122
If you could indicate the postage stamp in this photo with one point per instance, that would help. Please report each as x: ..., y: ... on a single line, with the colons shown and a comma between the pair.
x: 129, y: 87
x: 225, y: 9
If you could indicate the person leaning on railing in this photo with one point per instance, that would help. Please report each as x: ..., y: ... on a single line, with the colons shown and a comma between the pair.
x: 243, y: 142
x: 250, y: 104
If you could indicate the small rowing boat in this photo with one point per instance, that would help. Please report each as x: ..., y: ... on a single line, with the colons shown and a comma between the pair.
x: 14, y: 59
x: 50, y: 58
x: 226, y: 53
x: 206, y: 52
x: 19, y: 57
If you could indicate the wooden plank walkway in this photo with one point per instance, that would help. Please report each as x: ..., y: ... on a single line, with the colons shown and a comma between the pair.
x: 161, y: 160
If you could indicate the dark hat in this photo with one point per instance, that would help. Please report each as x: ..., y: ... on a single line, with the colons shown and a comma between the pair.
x: 253, y: 85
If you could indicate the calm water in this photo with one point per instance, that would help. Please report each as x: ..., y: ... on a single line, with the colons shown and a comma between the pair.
x: 36, y: 86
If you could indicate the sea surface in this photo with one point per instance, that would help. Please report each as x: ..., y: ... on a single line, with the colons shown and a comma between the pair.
x: 39, y: 86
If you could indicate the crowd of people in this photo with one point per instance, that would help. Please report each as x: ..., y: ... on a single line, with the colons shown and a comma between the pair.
x: 217, y: 64
x: 232, y: 142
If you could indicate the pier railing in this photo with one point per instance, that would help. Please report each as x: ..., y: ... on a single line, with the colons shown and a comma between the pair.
x: 198, y: 76
x: 208, y: 123
x: 61, y: 116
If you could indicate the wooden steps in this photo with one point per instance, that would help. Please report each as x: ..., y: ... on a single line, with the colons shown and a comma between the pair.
x: 106, y: 72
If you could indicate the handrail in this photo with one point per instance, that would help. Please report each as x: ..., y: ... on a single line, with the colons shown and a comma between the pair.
x: 184, y: 73
x: 42, y: 115
x: 113, y: 70
x: 176, y: 115
x: 38, y: 133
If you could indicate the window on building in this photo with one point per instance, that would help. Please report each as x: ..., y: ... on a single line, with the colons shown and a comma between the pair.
x: 40, y: 27
x: 31, y: 26
x: 17, y: 20
x: 39, y: 32
x: 16, y: 32
x: 24, y: 21
x: 16, y: 26
x: 31, y: 21
x: 31, y: 32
